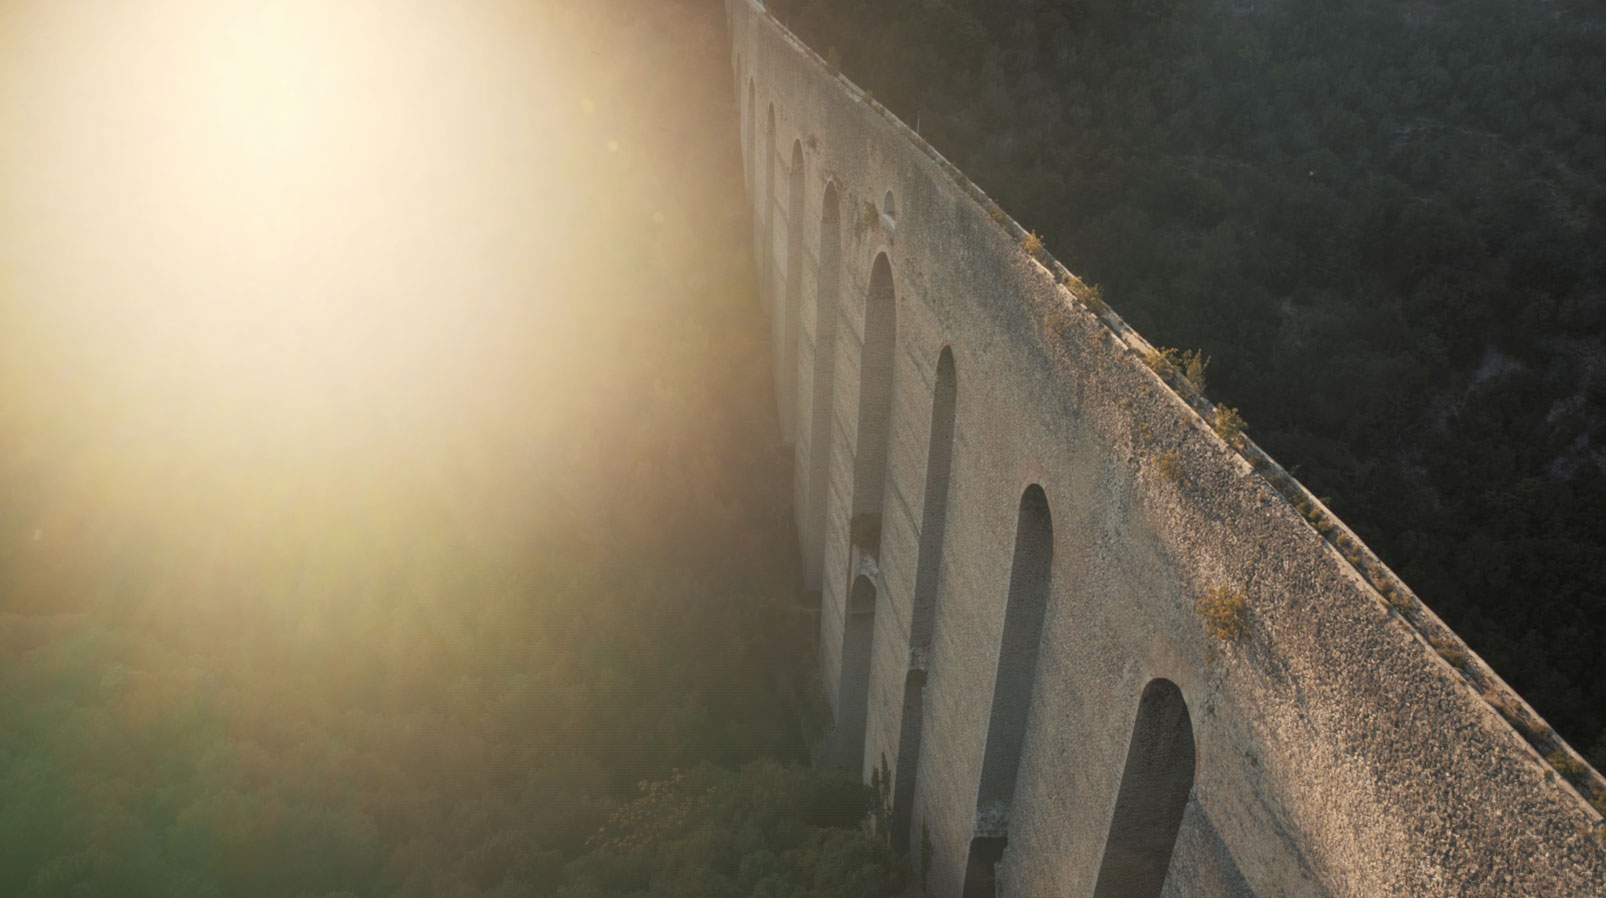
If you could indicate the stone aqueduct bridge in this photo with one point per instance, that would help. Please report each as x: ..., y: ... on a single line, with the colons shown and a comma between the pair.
x: 1010, y: 518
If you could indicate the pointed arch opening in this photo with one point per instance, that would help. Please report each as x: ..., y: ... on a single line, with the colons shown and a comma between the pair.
x: 791, y: 314
x: 934, y: 511
x: 853, y: 701
x: 928, y: 564
x: 903, y: 793
x: 1030, y: 579
x: 875, y: 408
x: 748, y: 146
x: 822, y: 409
x: 767, y: 249
x: 981, y: 867
x: 1154, y: 792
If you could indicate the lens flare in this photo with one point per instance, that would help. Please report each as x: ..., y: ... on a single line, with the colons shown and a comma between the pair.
x: 253, y: 254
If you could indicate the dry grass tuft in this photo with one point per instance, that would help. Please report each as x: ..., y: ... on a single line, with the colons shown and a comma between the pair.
x: 1449, y: 651
x: 1225, y: 612
x: 1169, y: 464
x: 1058, y: 324
x: 1230, y: 425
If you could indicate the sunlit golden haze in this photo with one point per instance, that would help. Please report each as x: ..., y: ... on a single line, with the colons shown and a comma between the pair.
x: 386, y: 482
x: 278, y: 271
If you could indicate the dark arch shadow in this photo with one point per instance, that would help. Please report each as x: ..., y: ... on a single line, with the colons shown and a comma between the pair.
x: 822, y: 412
x: 928, y: 566
x: 1154, y: 793
x: 748, y: 143
x: 876, y: 362
x: 791, y: 315
x: 853, y: 702
x: 766, y: 253
x: 1030, y: 578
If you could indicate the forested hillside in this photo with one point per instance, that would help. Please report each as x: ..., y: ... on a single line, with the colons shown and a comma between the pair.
x: 473, y: 580
x: 1383, y: 222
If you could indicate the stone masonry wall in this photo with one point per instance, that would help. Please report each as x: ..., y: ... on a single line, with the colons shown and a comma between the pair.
x: 1343, y: 743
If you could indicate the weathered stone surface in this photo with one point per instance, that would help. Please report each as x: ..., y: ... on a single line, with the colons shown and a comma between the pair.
x: 1336, y: 754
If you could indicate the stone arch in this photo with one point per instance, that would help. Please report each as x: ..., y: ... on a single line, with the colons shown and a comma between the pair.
x: 748, y: 145
x: 792, y: 315
x: 981, y: 866
x: 909, y: 732
x: 1030, y: 578
x: 934, y: 511
x: 876, y: 363
x: 827, y: 286
x: 928, y: 565
x: 853, y: 699
x: 767, y: 245
x: 1154, y: 793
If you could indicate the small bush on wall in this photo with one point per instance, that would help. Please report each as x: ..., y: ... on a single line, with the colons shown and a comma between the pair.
x: 1225, y: 612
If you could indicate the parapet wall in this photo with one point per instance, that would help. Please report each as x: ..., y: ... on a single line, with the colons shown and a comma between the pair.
x: 1012, y: 519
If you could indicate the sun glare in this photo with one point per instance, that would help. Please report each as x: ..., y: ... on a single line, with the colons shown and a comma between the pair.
x: 232, y: 220
x: 264, y: 264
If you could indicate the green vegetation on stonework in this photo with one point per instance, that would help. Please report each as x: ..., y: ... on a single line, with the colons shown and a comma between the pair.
x: 1183, y: 369
x: 1032, y: 243
x: 1383, y: 222
x: 1225, y: 612
x: 1229, y: 425
x: 1169, y: 464
x: 442, y: 679
x: 764, y: 830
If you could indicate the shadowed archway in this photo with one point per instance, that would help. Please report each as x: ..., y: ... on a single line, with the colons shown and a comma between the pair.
x: 822, y: 410
x: 748, y: 131
x: 1154, y: 793
x: 1030, y: 578
x: 876, y: 363
x: 791, y: 317
x: 853, y: 702
x: 766, y: 252
x: 928, y: 566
